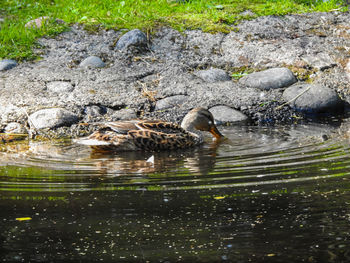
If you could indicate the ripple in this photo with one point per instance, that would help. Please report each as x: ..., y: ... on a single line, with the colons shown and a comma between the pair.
x: 251, y: 157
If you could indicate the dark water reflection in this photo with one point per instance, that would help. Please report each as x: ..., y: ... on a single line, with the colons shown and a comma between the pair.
x: 264, y: 195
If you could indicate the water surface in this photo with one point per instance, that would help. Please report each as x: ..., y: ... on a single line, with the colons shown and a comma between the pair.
x: 263, y: 195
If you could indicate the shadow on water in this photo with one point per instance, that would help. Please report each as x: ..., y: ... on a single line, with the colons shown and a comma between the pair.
x: 263, y: 195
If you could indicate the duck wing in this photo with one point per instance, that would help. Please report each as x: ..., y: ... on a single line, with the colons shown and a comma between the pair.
x: 162, y: 127
x: 154, y: 141
x: 111, y: 136
x: 121, y: 127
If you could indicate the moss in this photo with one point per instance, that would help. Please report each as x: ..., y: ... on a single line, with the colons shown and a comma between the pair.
x: 92, y: 28
x: 302, y: 71
x: 12, y: 137
x: 239, y: 72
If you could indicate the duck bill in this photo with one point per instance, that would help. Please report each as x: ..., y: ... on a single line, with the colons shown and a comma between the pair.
x: 213, y: 130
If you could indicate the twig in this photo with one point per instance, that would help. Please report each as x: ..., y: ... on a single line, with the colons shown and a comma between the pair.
x: 146, y: 92
x: 31, y: 126
x: 280, y: 106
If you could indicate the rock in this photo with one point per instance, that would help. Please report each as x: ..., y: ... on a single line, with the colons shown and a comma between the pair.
x: 15, y: 127
x: 37, y: 23
x: 93, y: 111
x: 40, y: 21
x: 273, y: 78
x: 347, y: 70
x: 52, y: 118
x: 213, y: 75
x: 7, y: 64
x: 171, y: 101
x: 124, y: 114
x: 11, y: 113
x: 224, y: 114
x: 59, y: 86
x: 320, y: 61
x: 312, y: 98
x: 134, y: 39
x: 92, y: 62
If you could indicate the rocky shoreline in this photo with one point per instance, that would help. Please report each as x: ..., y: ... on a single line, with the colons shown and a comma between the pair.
x: 271, y: 70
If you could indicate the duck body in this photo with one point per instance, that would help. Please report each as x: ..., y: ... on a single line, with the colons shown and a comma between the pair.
x: 152, y: 135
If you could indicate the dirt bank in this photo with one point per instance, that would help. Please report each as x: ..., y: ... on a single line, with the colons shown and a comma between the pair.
x: 121, y: 83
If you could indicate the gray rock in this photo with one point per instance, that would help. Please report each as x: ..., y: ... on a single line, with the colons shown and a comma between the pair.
x: 273, y: 78
x: 320, y: 61
x: 15, y: 127
x: 170, y: 102
x: 124, y: 114
x: 7, y: 64
x: 59, y: 86
x: 213, y: 75
x: 93, y: 111
x: 52, y: 118
x: 92, y: 62
x: 224, y: 114
x: 312, y: 98
x: 96, y: 113
x: 134, y: 39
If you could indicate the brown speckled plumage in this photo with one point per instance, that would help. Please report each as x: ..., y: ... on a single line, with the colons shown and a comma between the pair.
x: 151, y: 135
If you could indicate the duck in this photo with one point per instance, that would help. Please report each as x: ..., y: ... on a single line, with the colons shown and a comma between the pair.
x: 153, y: 135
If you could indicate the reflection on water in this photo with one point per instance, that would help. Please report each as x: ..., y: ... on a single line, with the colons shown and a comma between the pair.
x: 263, y: 195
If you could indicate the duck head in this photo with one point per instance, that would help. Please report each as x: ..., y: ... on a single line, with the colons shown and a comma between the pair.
x: 202, y: 120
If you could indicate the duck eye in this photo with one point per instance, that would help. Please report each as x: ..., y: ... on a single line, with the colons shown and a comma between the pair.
x: 210, y: 122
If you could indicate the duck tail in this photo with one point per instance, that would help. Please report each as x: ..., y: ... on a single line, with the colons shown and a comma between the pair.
x: 90, y: 142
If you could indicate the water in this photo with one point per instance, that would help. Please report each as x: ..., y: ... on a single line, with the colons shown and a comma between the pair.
x: 264, y: 195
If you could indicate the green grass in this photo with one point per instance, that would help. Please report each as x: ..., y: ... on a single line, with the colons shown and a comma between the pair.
x: 16, y: 42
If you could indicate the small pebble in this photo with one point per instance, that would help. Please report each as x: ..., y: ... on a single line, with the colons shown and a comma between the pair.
x: 213, y: 75
x: 15, y: 127
x: 172, y: 101
x: 7, y: 64
x: 133, y: 39
x: 92, y: 62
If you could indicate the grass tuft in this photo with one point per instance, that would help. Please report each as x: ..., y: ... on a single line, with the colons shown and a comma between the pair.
x: 17, y: 42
